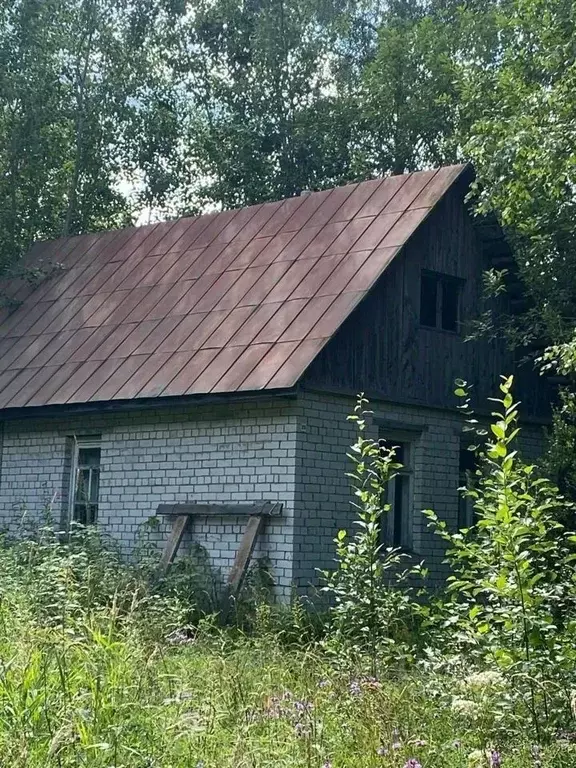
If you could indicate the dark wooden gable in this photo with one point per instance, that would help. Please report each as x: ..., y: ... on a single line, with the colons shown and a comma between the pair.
x: 382, y: 348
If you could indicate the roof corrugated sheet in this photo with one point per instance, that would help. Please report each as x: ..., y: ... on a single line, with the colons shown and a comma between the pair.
x: 226, y: 302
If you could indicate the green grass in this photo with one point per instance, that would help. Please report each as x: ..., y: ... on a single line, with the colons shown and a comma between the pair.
x: 98, y: 700
x: 92, y: 673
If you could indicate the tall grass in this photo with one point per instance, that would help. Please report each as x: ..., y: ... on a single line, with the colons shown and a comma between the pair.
x: 101, y: 665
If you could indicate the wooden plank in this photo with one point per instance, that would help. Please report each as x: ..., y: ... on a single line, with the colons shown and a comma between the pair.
x: 244, y: 553
x: 178, y: 527
x: 262, y: 509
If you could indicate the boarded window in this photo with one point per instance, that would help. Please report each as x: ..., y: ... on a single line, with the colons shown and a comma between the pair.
x: 439, y: 301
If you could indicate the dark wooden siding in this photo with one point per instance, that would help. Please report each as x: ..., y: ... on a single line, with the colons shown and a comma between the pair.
x: 383, y: 350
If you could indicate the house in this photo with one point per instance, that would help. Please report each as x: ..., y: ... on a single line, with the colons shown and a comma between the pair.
x: 215, y: 359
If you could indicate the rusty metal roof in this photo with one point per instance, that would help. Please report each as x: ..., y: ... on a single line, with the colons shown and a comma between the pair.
x: 234, y: 301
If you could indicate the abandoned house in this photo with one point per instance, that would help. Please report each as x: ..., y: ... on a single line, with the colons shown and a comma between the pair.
x: 213, y: 360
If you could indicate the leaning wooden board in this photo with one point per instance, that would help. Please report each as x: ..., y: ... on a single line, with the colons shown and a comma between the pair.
x: 256, y: 513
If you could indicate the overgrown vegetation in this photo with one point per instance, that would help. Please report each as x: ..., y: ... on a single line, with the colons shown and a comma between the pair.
x: 104, y: 663
x: 511, y: 597
x: 373, y: 607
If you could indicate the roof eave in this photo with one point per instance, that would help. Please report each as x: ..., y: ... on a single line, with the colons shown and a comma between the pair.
x: 142, y: 405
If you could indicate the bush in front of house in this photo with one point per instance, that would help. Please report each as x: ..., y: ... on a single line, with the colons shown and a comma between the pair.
x: 500, y: 640
x: 373, y: 606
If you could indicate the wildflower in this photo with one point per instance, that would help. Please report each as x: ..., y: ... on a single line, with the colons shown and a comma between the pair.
x: 303, y: 706
x: 301, y: 731
x: 412, y: 763
x: 476, y: 759
x: 327, y: 764
x: 487, y: 679
x: 536, y: 756
x: 495, y: 759
x: 323, y: 683
x: 396, y: 743
x: 355, y: 689
x: 382, y: 751
x: 464, y: 707
x: 419, y: 742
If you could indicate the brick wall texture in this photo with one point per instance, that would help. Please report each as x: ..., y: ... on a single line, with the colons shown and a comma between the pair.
x: 291, y: 450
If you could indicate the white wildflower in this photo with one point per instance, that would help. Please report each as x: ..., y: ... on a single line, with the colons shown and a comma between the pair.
x: 464, y: 707
x: 482, y: 680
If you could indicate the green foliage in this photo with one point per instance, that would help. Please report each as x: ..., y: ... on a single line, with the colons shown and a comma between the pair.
x: 262, y: 121
x: 558, y: 462
x: 100, y: 684
x: 75, y: 94
x: 372, y: 602
x: 521, y: 116
x: 407, y: 99
x: 511, y: 595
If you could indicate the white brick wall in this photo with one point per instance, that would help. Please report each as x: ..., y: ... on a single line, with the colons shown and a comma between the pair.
x: 229, y: 453
x: 323, y: 496
x: 293, y: 451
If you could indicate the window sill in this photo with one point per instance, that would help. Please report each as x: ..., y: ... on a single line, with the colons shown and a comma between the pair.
x: 404, y: 552
x: 440, y: 330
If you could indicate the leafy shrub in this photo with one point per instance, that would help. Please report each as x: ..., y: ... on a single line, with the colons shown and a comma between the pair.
x: 510, y: 602
x: 372, y: 603
x: 63, y: 579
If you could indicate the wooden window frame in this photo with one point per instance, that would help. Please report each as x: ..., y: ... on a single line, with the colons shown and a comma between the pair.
x: 441, y: 280
x: 404, y: 477
x: 81, y: 443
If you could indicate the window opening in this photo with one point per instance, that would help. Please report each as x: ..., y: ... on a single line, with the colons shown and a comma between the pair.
x: 439, y: 301
x: 396, y: 528
x: 86, y: 481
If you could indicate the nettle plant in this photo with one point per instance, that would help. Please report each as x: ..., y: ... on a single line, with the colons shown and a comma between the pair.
x: 511, y: 595
x: 372, y: 604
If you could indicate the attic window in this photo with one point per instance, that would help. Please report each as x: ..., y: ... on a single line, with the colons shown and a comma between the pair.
x: 440, y: 301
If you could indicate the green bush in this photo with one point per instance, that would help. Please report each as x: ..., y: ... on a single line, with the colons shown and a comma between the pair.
x: 372, y: 602
x: 511, y: 599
